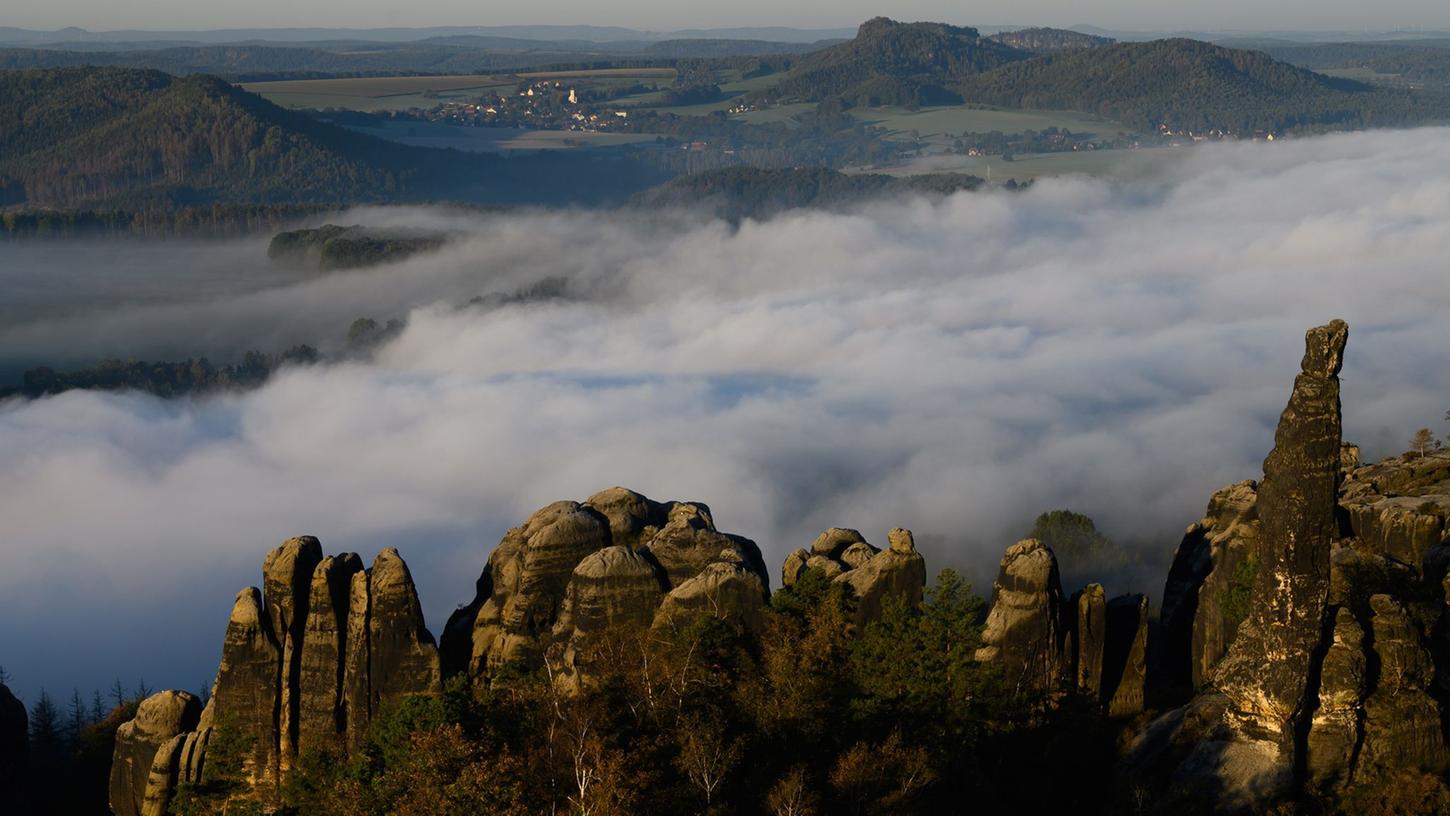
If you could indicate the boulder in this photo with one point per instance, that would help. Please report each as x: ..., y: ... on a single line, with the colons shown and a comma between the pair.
x: 795, y: 564
x: 144, y: 761
x: 1022, y: 632
x: 727, y: 589
x: 550, y: 584
x: 834, y: 541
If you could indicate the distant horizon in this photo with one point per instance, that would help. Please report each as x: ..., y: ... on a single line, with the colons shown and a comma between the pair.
x: 1228, y: 16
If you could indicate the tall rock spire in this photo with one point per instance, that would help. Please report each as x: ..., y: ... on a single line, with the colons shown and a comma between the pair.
x: 1266, y: 673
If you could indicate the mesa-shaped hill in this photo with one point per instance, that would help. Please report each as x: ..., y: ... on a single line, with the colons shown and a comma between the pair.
x: 1049, y: 40
x: 891, y: 63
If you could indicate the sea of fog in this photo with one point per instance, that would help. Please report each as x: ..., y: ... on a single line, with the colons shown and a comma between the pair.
x: 955, y: 367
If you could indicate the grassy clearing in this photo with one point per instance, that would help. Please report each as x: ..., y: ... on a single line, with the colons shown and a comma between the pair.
x: 497, y: 140
x: 945, y: 124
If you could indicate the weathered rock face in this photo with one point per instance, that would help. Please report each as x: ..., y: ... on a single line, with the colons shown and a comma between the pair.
x: 1207, y: 593
x: 1334, y: 733
x: 1402, y: 726
x: 14, y: 749
x: 1086, y: 640
x: 1267, y: 669
x: 247, y: 694
x: 898, y: 571
x: 146, y: 761
x: 351, y: 641
x: 1022, y: 630
x: 322, y: 716
x: 726, y: 589
x: 286, y: 586
x: 573, y: 570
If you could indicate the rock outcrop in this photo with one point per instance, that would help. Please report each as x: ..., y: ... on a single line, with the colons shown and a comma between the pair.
x: 305, y: 663
x: 146, y: 762
x: 574, y: 570
x: 874, y: 575
x: 1023, y: 631
x: 1125, y: 656
x: 1207, y: 593
x: 1086, y: 640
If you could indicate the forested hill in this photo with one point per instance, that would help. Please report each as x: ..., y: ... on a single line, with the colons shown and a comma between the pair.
x: 89, y: 137
x: 1192, y: 85
x: 892, y: 63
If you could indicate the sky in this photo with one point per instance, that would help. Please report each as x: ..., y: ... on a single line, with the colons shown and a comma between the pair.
x: 670, y: 14
x: 954, y: 367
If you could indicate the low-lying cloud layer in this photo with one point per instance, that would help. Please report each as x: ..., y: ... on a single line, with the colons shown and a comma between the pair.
x: 953, y: 367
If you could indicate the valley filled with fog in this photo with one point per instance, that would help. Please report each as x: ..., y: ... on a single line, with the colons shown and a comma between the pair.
x: 955, y: 366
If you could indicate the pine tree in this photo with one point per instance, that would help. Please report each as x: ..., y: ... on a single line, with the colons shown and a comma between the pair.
x: 45, y: 736
x: 98, y: 707
x: 4, y: 677
x: 76, y: 720
x: 118, y: 693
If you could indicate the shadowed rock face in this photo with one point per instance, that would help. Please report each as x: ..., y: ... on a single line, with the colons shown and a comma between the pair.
x: 1022, y: 630
x: 1125, y: 655
x: 1267, y: 670
x: 14, y: 748
x: 1207, y: 593
x: 1402, y: 725
x: 357, y: 641
x: 1334, y: 733
x: 146, y: 760
x: 575, y: 569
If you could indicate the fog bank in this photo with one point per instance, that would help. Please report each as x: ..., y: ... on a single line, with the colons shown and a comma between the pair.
x: 954, y: 367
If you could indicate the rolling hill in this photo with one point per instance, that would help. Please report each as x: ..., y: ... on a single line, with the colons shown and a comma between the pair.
x: 1181, y: 83
x: 1189, y: 85
x: 91, y: 137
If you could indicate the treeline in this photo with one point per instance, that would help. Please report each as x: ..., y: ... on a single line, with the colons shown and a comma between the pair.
x: 808, y: 717
x: 753, y: 192
x: 154, y: 222
x: 1425, y: 60
x: 66, y: 768
x: 163, y: 379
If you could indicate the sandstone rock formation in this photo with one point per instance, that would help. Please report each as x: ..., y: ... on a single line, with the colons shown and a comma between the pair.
x: 14, y: 749
x: 146, y: 762
x: 1125, y: 656
x: 1023, y: 626
x: 1086, y: 640
x: 875, y: 575
x: 1207, y: 593
x: 305, y: 663
x: 574, y: 570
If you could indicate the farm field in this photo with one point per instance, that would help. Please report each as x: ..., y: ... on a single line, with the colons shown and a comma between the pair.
x: 944, y: 124
x: 496, y: 140
x: 395, y: 93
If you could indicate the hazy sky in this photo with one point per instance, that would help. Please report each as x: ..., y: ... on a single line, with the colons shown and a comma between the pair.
x: 669, y: 14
